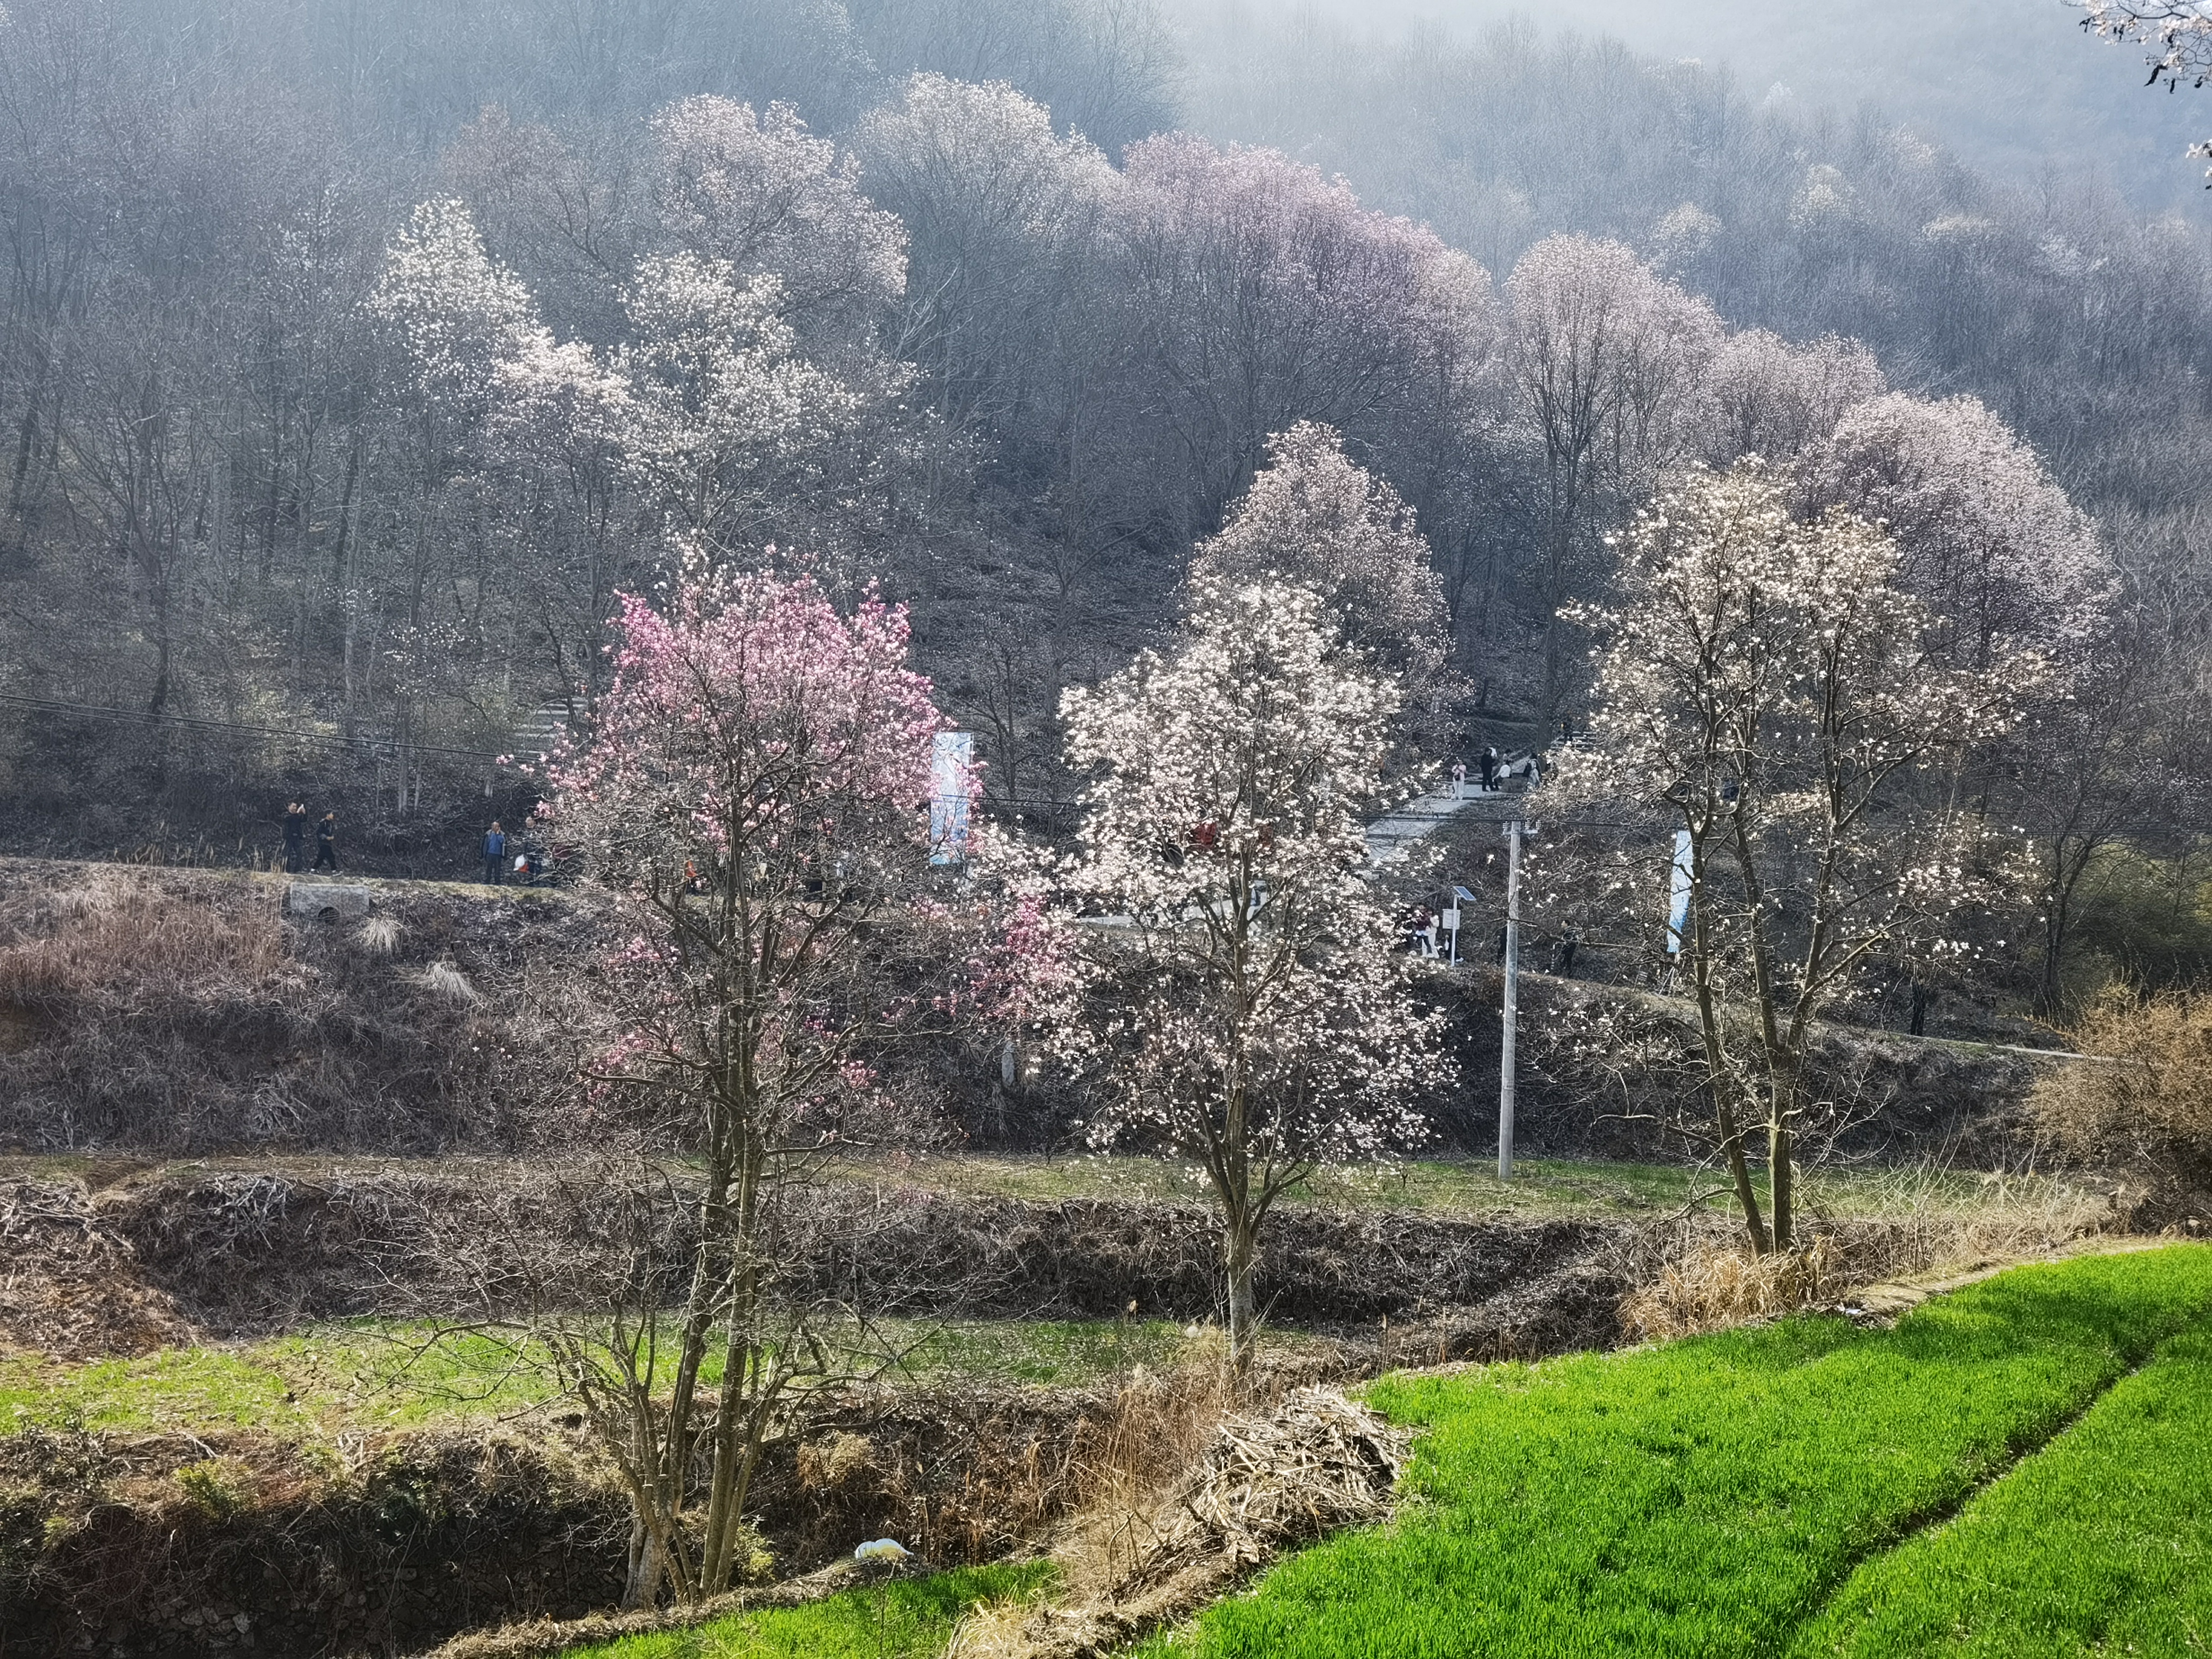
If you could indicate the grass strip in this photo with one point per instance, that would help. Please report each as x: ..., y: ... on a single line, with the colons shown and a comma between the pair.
x: 2101, y: 1543
x: 1705, y: 1497
x: 389, y: 1375
x: 910, y: 1618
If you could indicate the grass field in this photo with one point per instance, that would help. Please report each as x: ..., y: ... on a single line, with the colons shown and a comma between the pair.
x: 907, y: 1619
x: 383, y: 1376
x: 1749, y: 1493
x: 2102, y: 1544
x: 1541, y: 1188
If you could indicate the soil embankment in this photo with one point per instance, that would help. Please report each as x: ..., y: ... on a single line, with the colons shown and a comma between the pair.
x: 233, y: 1252
x: 196, y: 1543
x: 183, y: 1013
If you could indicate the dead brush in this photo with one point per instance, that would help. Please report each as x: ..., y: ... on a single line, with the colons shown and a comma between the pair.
x: 443, y: 980
x: 1158, y: 1424
x: 380, y: 936
x: 1260, y: 1481
x: 116, y: 932
x: 1716, y: 1286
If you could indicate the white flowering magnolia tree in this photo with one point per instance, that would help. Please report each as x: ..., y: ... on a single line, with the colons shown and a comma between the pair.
x: 1768, y: 684
x: 1238, y: 998
x: 1315, y: 518
x: 2177, y: 31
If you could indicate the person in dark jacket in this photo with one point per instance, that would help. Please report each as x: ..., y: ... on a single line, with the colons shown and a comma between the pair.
x: 326, y: 843
x: 295, y: 838
x: 1490, y: 768
x: 495, y: 853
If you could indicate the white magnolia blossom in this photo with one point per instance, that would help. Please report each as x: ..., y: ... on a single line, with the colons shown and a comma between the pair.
x: 558, y: 403
x: 1771, y: 686
x: 766, y: 196
x: 723, y: 397
x: 1989, y: 540
x: 1763, y: 396
x: 457, y: 315
x: 985, y: 156
x: 1315, y: 518
x: 1252, y: 1014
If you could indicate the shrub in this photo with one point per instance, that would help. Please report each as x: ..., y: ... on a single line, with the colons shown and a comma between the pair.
x: 2146, y: 1101
x: 1714, y: 1288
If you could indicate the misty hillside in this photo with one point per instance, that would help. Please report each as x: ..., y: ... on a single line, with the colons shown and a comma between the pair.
x: 2014, y: 89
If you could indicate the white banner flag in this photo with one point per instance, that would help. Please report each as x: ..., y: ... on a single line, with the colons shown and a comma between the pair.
x: 951, y: 769
x: 1678, y: 900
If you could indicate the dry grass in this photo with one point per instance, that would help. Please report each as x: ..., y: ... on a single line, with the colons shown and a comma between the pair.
x: 2150, y: 1109
x: 183, y: 1009
x: 115, y: 929
x: 1918, y: 1221
x: 1255, y: 1483
x: 1714, y: 1287
x: 442, y: 979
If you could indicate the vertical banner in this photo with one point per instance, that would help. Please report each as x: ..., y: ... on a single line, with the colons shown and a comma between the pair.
x: 1678, y: 897
x: 952, y: 767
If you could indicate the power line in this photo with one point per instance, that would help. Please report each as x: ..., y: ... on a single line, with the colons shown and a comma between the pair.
x: 332, y: 740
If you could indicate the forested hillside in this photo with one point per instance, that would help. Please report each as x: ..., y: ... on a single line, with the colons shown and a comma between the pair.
x: 355, y: 359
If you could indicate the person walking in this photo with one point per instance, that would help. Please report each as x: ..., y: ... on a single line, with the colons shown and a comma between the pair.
x: 1459, y: 779
x: 295, y: 838
x: 326, y: 843
x: 1490, y: 768
x: 495, y: 852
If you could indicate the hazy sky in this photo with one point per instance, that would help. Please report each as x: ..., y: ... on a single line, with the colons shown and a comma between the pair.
x: 2010, y: 84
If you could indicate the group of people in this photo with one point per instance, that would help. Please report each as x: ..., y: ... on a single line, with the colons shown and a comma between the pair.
x: 1423, y: 932
x: 528, y: 861
x: 524, y: 860
x: 1487, y: 761
x: 295, y: 838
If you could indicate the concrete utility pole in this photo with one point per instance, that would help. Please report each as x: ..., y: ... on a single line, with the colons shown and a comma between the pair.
x: 1512, y: 1002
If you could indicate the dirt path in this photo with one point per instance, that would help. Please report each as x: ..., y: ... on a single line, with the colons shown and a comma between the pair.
x: 1893, y: 1298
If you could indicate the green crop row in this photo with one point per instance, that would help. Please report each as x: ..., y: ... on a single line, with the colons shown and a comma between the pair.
x: 1706, y: 1497
x: 907, y: 1619
x: 2102, y: 1543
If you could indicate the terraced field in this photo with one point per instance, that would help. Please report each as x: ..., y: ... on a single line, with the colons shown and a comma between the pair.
x: 2023, y: 1466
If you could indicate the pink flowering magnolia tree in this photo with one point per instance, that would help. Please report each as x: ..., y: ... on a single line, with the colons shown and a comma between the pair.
x: 1237, y: 997
x: 753, y: 801
x: 1772, y: 687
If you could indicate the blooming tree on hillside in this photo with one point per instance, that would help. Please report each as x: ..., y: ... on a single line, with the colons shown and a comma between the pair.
x: 1770, y: 686
x: 767, y: 196
x: 455, y: 313
x: 1763, y: 396
x: 1264, y: 293
x: 748, y: 801
x: 1987, y: 539
x: 1316, y: 518
x: 731, y: 415
x: 1604, y: 357
x: 1252, y: 1013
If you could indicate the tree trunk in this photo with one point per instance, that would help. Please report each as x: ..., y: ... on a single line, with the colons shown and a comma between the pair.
x: 1240, y: 1249
x: 1781, y: 1199
x: 1717, y: 1078
x: 649, y: 1562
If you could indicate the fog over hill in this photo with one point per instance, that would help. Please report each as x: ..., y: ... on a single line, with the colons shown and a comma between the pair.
x: 2013, y: 87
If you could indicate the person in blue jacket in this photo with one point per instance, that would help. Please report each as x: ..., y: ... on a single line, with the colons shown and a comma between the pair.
x: 495, y: 853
